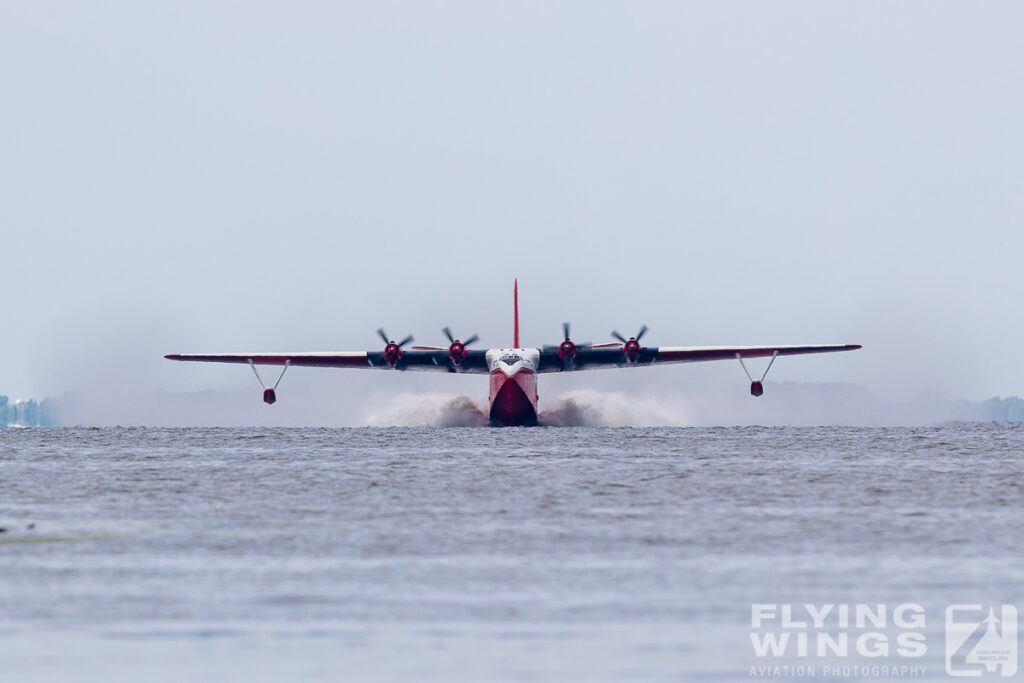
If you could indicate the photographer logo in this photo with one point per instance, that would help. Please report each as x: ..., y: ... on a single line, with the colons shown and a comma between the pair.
x: 980, y: 642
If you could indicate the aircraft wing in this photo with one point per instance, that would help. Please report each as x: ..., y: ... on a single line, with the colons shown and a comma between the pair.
x: 413, y: 359
x: 612, y: 356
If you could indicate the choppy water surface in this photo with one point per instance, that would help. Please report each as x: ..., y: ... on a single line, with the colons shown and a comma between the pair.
x: 482, y: 554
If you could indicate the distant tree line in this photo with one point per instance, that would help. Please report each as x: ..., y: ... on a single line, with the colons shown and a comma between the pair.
x: 30, y: 413
x: 1003, y: 409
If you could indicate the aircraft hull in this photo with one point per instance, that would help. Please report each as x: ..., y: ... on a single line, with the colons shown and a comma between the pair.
x: 513, y: 399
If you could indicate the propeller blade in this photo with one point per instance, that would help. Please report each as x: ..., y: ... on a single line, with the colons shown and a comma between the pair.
x: 472, y: 339
x: 383, y: 336
x: 615, y: 333
x: 565, y: 330
x: 405, y: 341
x: 448, y: 333
x: 642, y: 332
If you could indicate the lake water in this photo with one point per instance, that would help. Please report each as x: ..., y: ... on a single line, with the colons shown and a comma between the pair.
x: 564, y: 554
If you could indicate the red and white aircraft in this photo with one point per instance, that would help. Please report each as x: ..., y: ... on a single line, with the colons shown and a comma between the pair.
x: 513, y: 371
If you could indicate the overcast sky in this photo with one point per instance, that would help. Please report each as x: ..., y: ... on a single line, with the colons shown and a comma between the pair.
x: 244, y: 176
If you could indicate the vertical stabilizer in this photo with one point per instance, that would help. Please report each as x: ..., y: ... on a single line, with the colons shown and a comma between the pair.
x: 515, y: 304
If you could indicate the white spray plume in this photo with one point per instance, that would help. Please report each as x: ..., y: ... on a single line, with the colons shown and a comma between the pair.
x: 428, y: 410
x: 579, y: 408
x: 590, y: 408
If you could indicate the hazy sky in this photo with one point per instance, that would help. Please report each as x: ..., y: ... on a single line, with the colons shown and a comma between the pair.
x: 290, y: 176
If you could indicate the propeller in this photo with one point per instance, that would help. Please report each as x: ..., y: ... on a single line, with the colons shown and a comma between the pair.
x: 567, y: 349
x: 457, y: 350
x: 392, y: 351
x: 631, y: 347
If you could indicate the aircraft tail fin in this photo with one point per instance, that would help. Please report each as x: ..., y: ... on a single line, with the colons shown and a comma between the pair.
x: 515, y: 305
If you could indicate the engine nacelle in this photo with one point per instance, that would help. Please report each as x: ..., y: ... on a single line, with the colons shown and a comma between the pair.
x: 457, y: 353
x: 458, y: 350
x: 392, y: 353
x: 631, y: 350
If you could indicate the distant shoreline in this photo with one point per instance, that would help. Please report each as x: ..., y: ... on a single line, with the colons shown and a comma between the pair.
x: 29, y: 412
x: 788, y: 404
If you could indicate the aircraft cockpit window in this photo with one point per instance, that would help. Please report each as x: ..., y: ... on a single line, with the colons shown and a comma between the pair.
x: 510, y: 359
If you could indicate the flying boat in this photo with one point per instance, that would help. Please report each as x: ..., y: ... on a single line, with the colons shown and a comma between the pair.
x: 512, y: 371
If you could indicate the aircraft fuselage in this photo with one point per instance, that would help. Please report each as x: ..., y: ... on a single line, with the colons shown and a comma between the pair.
x: 513, y: 386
